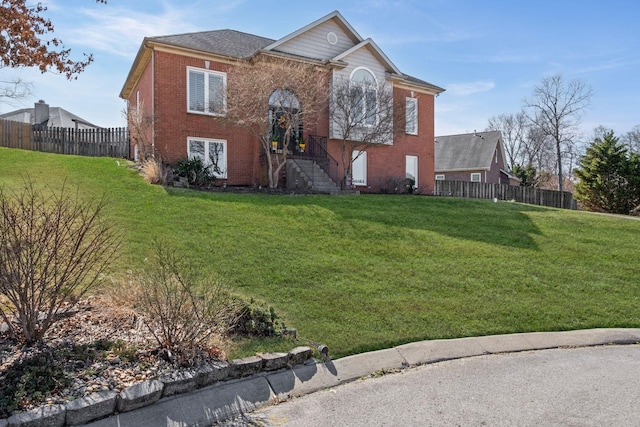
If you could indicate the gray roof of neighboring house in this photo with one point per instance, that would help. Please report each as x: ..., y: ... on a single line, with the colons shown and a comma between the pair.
x: 229, y: 43
x: 58, y: 117
x: 471, y: 151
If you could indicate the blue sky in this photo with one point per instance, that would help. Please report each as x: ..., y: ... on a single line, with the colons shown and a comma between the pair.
x: 487, y: 54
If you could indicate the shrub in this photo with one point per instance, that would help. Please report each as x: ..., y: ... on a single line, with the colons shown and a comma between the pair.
x: 30, y: 380
x: 257, y: 320
x: 54, y: 248
x: 396, y: 185
x: 154, y: 171
x: 185, y: 310
x: 196, y: 172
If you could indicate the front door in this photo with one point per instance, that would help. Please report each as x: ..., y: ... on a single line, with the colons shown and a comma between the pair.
x: 279, y: 131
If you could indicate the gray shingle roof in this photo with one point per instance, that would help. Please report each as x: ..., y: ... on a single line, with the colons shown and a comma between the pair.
x: 229, y: 43
x: 471, y: 151
x: 58, y: 117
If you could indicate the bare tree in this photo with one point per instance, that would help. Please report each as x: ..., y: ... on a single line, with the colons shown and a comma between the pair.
x: 53, y: 249
x: 632, y: 139
x: 14, y: 89
x: 362, y: 114
x: 514, y: 131
x: 556, y: 107
x: 273, y: 98
x: 141, y: 129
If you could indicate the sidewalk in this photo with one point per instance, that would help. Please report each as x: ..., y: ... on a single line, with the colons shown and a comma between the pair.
x: 229, y: 399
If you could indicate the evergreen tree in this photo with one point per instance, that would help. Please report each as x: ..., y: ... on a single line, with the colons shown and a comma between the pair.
x: 608, y: 176
x: 528, y: 175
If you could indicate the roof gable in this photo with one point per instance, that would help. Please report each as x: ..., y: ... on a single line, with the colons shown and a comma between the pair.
x: 373, y: 48
x: 328, y: 40
x: 333, y: 22
x: 472, y: 151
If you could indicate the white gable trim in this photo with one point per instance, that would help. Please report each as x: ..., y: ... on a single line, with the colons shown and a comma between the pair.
x: 375, y: 50
x: 333, y: 15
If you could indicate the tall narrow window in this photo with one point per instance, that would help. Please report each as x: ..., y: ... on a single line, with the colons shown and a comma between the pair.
x: 359, y: 168
x: 411, y: 168
x: 206, y: 91
x: 412, y: 116
x: 364, y: 98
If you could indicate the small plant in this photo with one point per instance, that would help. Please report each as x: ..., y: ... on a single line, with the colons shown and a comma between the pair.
x: 154, y: 171
x: 185, y: 309
x: 258, y: 320
x: 196, y: 171
x: 30, y: 380
x: 393, y: 185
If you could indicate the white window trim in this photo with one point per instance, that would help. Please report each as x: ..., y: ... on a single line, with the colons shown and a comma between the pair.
x: 478, y: 174
x: 361, y: 157
x: 364, y: 93
x: 413, y: 161
x: 414, y: 101
x: 207, y: 73
x: 440, y: 177
x: 222, y: 175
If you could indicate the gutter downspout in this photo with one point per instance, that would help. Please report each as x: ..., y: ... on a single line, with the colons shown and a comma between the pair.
x: 153, y: 103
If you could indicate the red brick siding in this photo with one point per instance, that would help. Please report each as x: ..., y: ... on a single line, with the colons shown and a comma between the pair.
x: 389, y: 161
x: 173, y: 125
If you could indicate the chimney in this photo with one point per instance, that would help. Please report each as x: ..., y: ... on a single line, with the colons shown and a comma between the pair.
x: 41, y: 113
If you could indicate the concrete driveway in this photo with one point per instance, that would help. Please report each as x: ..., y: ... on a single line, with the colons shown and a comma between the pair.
x: 590, y: 386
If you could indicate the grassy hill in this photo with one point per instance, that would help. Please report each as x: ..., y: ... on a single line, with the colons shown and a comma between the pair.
x: 371, y: 271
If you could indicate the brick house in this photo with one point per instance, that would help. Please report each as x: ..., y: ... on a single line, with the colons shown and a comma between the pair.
x: 475, y: 157
x: 179, y: 81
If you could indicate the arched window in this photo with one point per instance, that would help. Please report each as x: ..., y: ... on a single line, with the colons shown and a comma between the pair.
x: 284, y: 106
x: 364, y: 97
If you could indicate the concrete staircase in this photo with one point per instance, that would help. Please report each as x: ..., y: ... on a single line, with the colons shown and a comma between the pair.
x: 306, y: 175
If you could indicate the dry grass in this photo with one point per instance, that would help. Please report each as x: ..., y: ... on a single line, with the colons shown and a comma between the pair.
x: 154, y: 171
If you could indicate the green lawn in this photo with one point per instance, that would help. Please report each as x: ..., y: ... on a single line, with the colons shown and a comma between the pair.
x: 366, y: 272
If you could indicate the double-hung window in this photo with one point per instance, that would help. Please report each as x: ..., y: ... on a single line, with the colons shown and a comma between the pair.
x: 207, y: 91
x: 213, y: 152
x: 412, y: 116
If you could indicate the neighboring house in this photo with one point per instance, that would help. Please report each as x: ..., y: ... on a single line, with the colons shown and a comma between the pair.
x: 179, y: 82
x: 45, y: 116
x: 475, y: 157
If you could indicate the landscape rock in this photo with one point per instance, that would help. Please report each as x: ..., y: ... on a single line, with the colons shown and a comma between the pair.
x: 274, y: 361
x: 245, y: 366
x: 91, y: 407
x: 45, y: 416
x: 213, y: 372
x: 140, y: 395
x: 179, y: 382
x: 300, y: 355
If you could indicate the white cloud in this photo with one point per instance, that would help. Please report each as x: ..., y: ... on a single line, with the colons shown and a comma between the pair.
x: 469, y: 88
x: 120, y: 31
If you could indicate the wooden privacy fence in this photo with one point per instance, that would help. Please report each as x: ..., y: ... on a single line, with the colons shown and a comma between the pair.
x: 102, y: 142
x: 480, y: 190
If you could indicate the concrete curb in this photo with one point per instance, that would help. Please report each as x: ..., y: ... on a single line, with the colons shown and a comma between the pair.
x: 231, y: 398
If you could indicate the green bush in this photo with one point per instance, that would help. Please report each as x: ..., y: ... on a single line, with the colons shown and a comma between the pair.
x: 30, y: 381
x: 196, y: 172
x: 257, y: 320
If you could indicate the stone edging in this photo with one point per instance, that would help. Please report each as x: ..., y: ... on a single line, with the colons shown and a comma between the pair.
x: 104, y: 403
